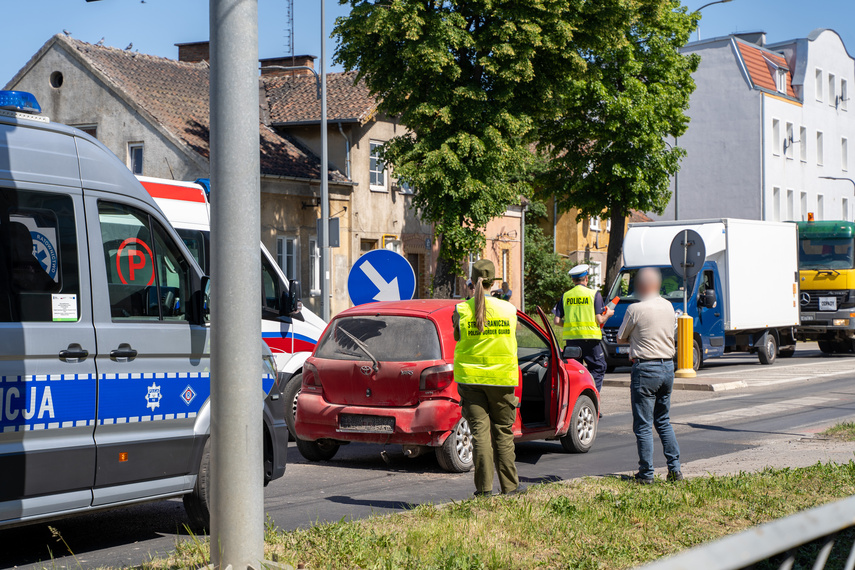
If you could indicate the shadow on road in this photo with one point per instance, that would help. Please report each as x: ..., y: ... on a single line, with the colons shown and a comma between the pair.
x: 374, y: 503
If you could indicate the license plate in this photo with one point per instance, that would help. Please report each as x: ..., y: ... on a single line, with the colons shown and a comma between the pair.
x: 828, y: 303
x: 622, y: 350
x: 366, y: 424
x: 808, y: 317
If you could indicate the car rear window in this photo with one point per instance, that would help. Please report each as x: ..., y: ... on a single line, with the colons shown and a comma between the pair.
x: 388, y: 338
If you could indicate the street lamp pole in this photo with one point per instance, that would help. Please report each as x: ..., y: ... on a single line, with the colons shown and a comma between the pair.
x: 704, y: 6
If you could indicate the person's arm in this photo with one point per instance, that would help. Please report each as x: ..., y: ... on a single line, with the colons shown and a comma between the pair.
x: 599, y: 308
x: 558, y: 311
x: 455, y: 319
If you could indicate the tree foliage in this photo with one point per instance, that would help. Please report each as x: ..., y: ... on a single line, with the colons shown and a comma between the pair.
x: 606, y: 145
x: 546, y: 272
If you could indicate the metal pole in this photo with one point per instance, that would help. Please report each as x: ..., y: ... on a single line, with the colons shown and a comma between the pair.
x: 676, y: 188
x: 522, y: 258
x: 685, y: 272
x: 325, y: 189
x: 237, y: 509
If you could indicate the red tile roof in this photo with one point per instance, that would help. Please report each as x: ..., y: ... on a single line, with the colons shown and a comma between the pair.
x: 175, y: 95
x: 762, y: 64
x: 294, y: 99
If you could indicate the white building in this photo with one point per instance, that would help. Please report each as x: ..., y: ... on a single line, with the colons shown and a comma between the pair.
x: 768, y: 124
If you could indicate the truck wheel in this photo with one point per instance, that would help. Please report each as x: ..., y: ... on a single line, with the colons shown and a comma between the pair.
x: 292, y: 390
x: 583, y: 427
x: 321, y: 450
x: 827, y: 346
x: 197, y: 503
x: 455, y: 454
x: 767, y: 349
x: 697, y: 356
x: 787, y: 352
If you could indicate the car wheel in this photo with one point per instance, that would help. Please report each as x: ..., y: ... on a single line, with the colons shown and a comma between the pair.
x: 767, y: 351
x: 321, y: 450
x: 197, y: 503
x: 455, y: 454
x: 292, y: 390
x: 583, y: 427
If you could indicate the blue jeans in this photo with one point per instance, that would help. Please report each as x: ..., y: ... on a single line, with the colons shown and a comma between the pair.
x: 650, y: 388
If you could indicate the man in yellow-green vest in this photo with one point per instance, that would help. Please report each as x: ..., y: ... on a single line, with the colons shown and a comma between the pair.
x: 486, y: 370
x: 583, y: 313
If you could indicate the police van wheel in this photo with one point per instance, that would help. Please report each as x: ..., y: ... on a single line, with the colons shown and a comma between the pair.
x: 292, y: 390
x: 455, y: 454
x: 583, y: 427
x: 197, y: 503
x: 697, y: 356
x: 321, y: 450
x: 767, y: 349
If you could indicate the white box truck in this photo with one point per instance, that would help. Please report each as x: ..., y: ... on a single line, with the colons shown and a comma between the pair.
x: 745, y: 298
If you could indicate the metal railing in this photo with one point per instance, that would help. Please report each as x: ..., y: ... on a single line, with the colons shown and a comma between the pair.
x: 780, y: 540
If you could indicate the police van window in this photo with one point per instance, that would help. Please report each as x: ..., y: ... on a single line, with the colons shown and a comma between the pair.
x: 39, y: 279
x: 269, y: 286
x: 147, y: 276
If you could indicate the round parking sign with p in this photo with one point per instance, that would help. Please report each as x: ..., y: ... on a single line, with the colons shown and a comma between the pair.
x: 134, y: 262
x: 381, y: 275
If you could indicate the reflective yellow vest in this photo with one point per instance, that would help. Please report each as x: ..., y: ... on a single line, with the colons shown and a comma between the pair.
x: 580, y: 318
x: 487, y: 358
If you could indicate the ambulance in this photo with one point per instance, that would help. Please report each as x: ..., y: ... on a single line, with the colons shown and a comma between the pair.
x: 104, y: 336
x: 289, y: 329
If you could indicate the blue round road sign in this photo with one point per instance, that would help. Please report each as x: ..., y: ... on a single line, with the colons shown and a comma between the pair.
x: 381, y: 275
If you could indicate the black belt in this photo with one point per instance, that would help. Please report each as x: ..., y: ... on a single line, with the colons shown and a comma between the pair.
x: 659, y: 360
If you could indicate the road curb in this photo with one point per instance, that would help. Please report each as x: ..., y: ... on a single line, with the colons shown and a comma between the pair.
x: 697, y: 384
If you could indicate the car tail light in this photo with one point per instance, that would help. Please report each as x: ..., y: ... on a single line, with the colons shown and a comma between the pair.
x: 311, y: 378
x: 436, y: 378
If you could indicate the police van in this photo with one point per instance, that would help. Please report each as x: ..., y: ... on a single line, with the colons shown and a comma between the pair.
x: 104, y: 336
x: 287, y: 327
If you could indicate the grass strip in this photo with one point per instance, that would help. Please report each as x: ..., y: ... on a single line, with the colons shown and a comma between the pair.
x: 594, y: 523
x: 844, y: 431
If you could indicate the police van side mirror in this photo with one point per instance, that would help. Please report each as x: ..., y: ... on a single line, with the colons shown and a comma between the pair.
x: 571, y: 353
x: 292, y: 301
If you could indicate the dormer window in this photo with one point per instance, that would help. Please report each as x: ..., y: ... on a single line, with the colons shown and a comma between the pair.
x: 781, y: 79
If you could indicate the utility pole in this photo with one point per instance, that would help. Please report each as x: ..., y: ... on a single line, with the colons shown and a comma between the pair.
x: 325, y: 187
x: 237, y: 499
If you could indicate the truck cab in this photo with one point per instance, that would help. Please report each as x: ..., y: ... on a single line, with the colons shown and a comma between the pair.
x: 827, y: 282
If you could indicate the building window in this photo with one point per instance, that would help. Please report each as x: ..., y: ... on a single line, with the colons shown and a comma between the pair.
x: 135, y: 157
x: 790, y: 206
x: 832, y: 89
x: 781, y: 80
x: 803, y: 144
x: 377, y: 168
x: 844, y: 153
x: 818, y: 84
x: 844, y: 206
x: 506, y: 265
x: 803, y: 205
x: 91, y: 130
x: 820, y: 207
x: 367, y: 245
x: 776, y: 137
x: 286, y: 256
x: 776, y: 204
x: 789, y: 141
x: 595, y: 279
x: 844, y: 94
x: 314, y: 267
x: 594, y: 224
x: 473, y: 257
x: 819, y: 148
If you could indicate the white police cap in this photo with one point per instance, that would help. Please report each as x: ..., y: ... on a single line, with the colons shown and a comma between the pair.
x: 580, y: 271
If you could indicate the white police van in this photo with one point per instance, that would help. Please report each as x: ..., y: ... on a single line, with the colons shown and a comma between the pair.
x: 104, y: 340
x: 287, y: 327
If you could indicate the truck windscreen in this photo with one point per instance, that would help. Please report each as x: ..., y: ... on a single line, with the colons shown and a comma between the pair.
x: 827, y: 253
x: 672, y: 285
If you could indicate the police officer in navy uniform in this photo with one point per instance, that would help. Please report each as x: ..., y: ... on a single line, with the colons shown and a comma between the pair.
x: 486, y: 370
x: 582, y: 313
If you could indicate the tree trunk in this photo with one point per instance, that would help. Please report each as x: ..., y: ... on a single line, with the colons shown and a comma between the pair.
x: 614, y: 255
x: 443, y: 279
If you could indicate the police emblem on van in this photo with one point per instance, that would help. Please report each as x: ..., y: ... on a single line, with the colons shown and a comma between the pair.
x: 152, y: 398
x: 188, y: 395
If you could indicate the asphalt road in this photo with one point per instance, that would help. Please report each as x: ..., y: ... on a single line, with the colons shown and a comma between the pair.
x: 357, y: 482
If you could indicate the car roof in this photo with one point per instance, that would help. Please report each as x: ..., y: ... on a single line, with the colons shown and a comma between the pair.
x: 413, y: 307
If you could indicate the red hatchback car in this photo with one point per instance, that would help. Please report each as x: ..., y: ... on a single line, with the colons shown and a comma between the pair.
x: 382, y: 373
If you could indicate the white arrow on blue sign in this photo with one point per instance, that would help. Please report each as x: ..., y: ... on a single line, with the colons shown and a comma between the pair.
x: 381, y: 275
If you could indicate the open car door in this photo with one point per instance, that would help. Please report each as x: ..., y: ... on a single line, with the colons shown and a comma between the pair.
x: 560, y: 378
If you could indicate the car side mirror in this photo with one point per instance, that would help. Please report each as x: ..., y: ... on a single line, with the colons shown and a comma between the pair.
x: 292, y: 304
x: 205, y: 301
x: 571, y: 353
x: 709, y: 299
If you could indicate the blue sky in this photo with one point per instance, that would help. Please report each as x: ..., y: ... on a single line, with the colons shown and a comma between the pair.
x: 154, y: 26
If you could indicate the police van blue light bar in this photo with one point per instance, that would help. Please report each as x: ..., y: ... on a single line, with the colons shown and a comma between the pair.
x: 19, y: 101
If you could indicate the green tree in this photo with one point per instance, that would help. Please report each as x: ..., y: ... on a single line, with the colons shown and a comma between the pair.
x: 606, y: 144
x: 546, y: 272
x: 470, y: 80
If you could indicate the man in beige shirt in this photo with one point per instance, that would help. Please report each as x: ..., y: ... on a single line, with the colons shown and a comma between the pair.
x: 648, y: 327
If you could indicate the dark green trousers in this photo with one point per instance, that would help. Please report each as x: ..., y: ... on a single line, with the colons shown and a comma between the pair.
x: 491, y: 411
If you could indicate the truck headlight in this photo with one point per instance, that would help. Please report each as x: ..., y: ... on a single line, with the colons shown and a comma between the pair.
x: 840, y: 322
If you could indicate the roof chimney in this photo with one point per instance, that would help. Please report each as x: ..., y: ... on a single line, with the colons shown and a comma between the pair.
x: 757, y: 38
x: 194, y: 52
x: 287, y: 61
